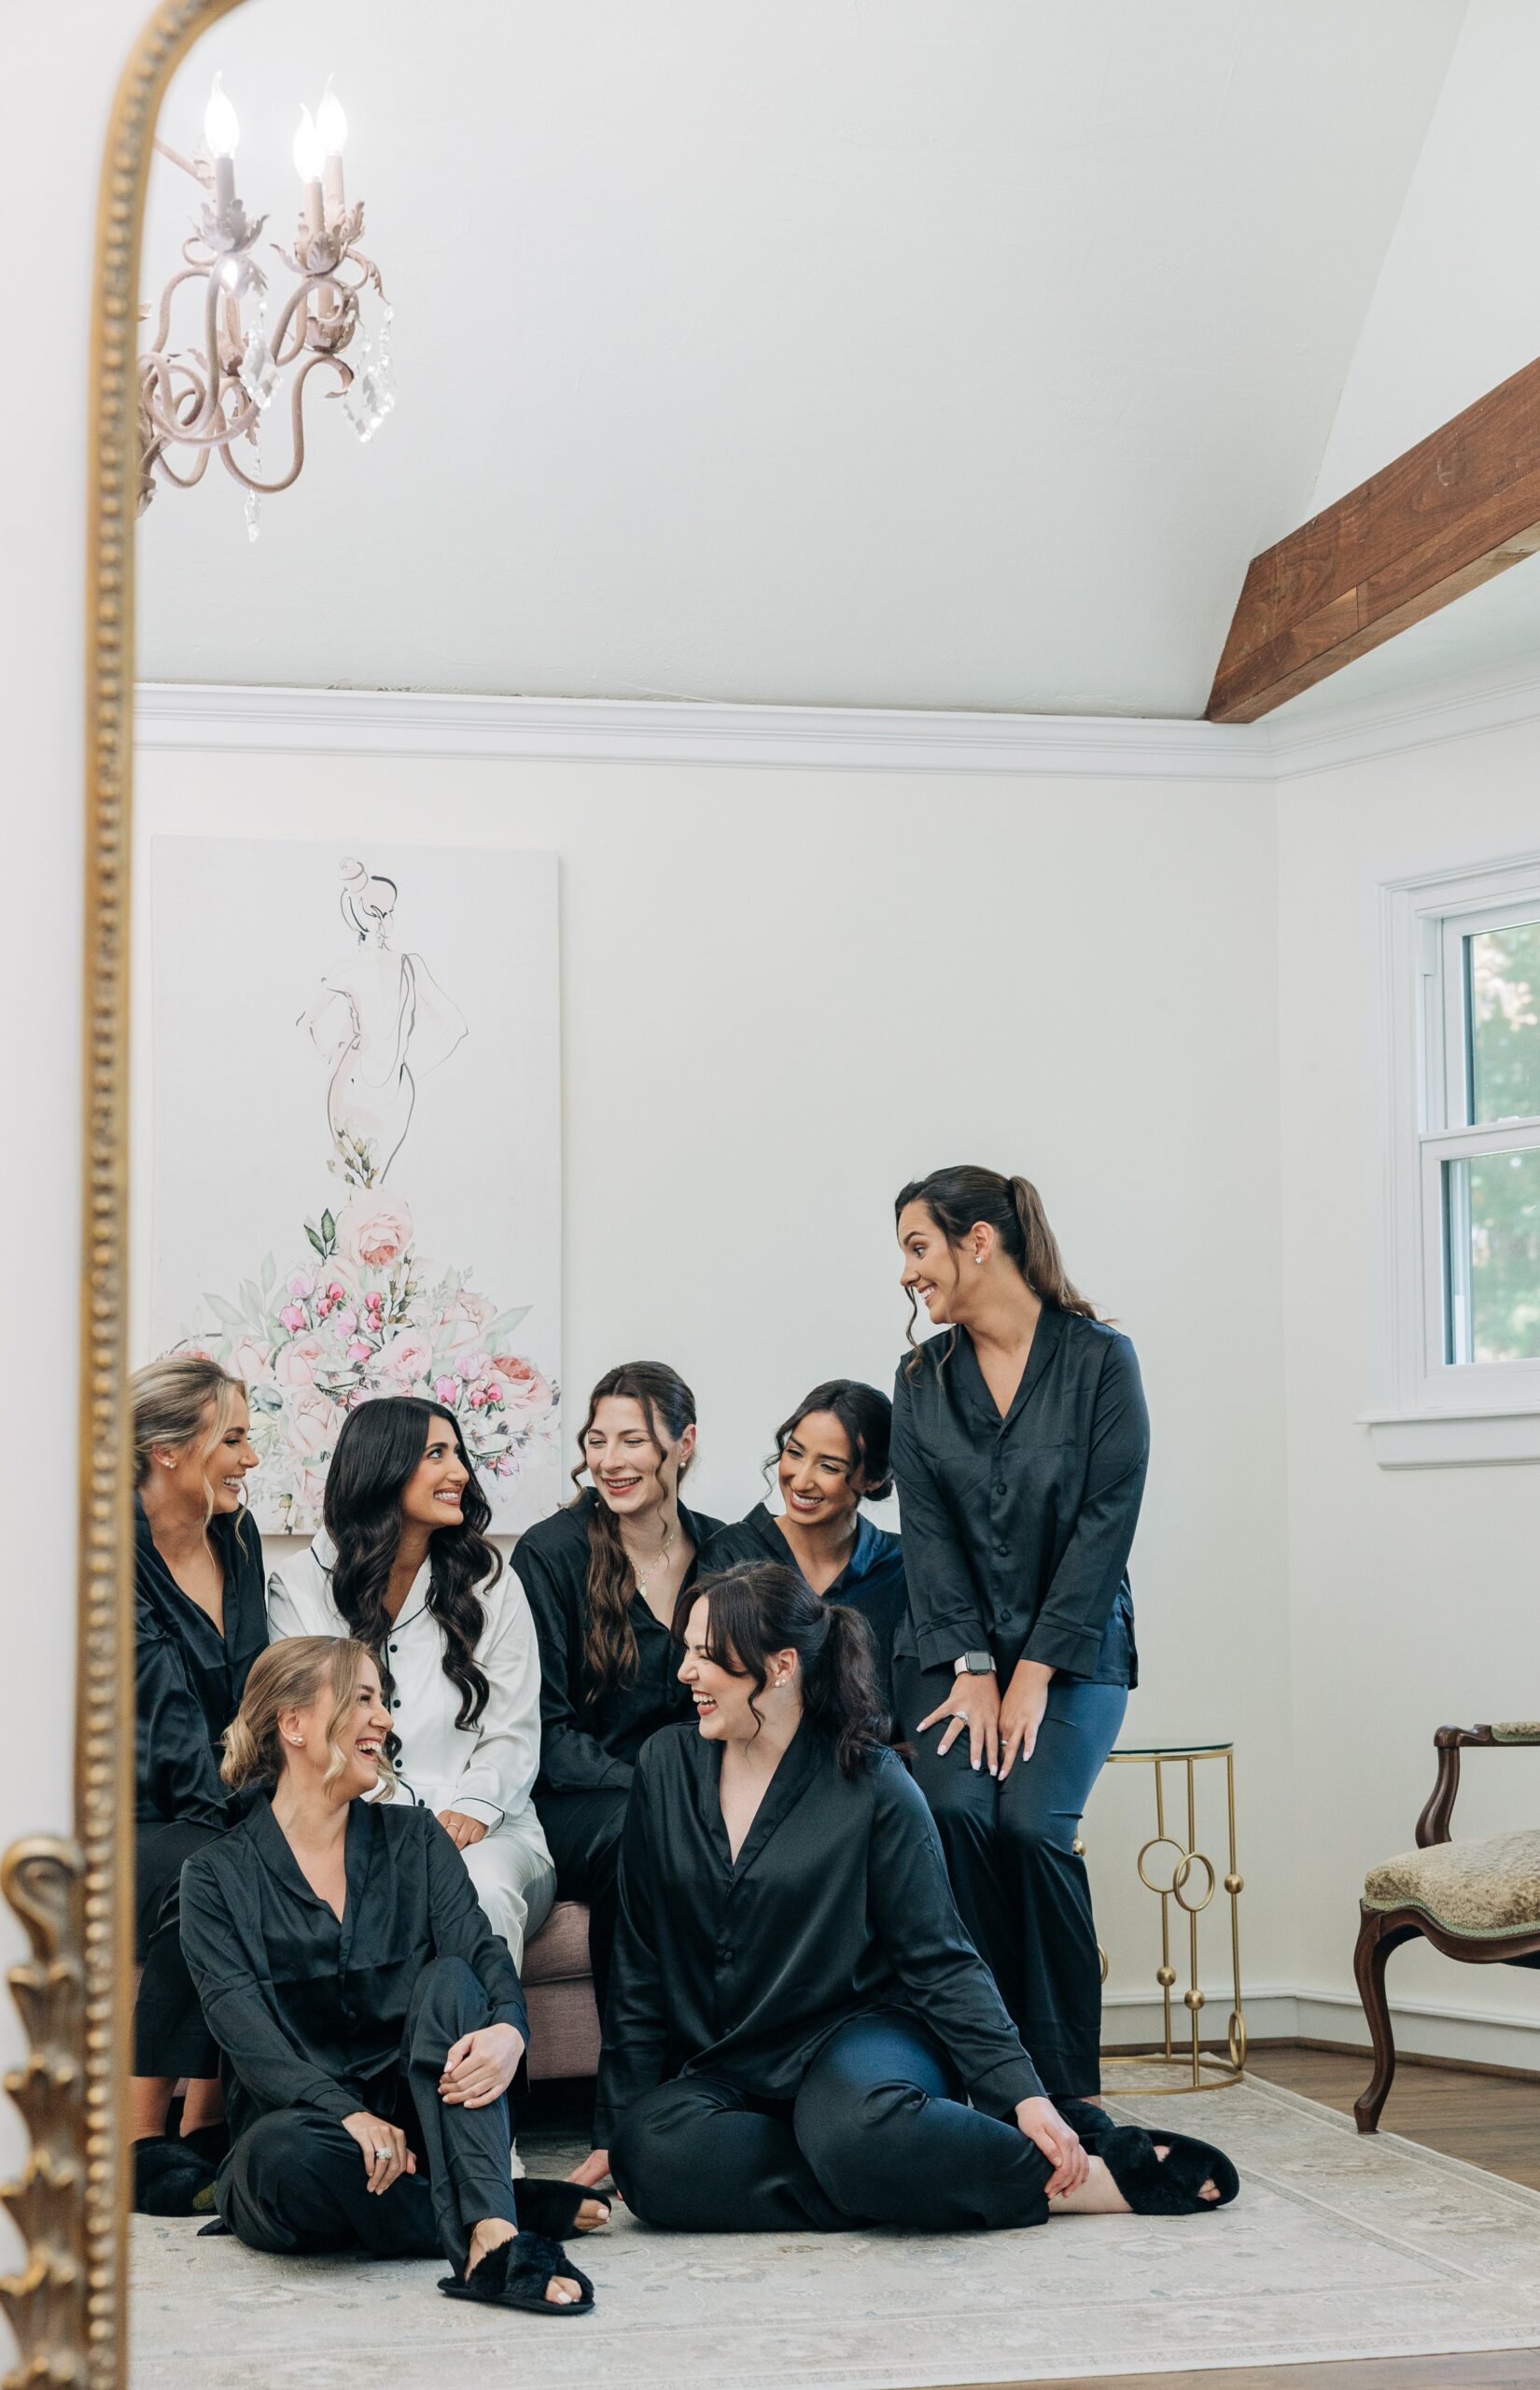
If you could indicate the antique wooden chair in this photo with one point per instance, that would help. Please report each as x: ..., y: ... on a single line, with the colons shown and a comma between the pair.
x: 1478, y: 1901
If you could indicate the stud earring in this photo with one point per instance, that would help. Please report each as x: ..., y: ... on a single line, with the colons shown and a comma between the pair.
x: 168, y: 1463
x: 978, y: 1258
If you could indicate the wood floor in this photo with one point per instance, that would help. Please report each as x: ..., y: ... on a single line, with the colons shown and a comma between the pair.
x: 1491, y: 2120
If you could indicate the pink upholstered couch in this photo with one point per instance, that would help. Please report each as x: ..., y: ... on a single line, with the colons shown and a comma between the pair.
x: 563, y: 2018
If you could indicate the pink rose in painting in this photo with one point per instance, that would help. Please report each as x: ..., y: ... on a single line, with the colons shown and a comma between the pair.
x: 373, y: 1233
x: 471, y: 1365
x: 347, y: 1320
x: 292, y: 1317
x: 250, y: 1360
x: 407, y: 1356
x: 524, y: 1388
x: 301, y: 1285
x: 358, y: 1352
x: 466, y: 1317
x: 300, y: 1361
x: 446, y: 1388
x: 312, y: 1424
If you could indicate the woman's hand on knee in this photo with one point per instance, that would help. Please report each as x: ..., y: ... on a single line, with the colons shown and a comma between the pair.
x: 593, y: 2170
x: 972, y: 1702
x: 480, y: 2066
x: 386, y: 2155
x: 1021, y: 1713
x: 461, y: 1830
x: 1042, y: 2123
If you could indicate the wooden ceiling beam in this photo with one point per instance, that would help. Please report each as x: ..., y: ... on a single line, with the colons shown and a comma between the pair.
x: 1453, y: 512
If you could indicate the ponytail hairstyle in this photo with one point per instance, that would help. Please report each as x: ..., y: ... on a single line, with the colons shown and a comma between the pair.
x: 380, y: 1446
x: 762, y: 1607
x: 610, y: 1641
x: 867, y: 1419
x: 182, y: 1399
x: 291, y: 1675
x: 959, y: 1197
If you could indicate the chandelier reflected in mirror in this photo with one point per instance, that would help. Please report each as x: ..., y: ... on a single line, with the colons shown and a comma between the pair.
x: 200, y: 401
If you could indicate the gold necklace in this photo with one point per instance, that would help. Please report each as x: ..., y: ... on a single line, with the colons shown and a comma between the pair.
x: 642, y: 1575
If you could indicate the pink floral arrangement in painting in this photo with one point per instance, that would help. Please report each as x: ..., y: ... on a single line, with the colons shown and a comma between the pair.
x: 363, y: 1314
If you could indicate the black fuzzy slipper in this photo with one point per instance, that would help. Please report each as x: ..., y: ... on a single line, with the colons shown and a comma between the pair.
x: 1169, y: 2186
x: 166, y: 2182
x: 516, y: 2274
x: 550, y: 2207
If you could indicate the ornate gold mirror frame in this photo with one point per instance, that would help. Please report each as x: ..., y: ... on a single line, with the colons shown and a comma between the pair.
x: 66, y: 2307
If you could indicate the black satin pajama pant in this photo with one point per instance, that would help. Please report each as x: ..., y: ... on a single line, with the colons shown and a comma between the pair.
x: 295, y: 2183
x: 878, y: 2133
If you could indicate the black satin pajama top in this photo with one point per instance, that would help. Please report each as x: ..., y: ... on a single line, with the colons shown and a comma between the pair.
x: 1016, y: 1531
x: 588, y: 1743
x: 308, y: 2009
x: 870, y: 1581
x: 838, y: 1905
x: 189, y: 1678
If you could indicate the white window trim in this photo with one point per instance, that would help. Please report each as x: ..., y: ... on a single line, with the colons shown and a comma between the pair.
x: 1424, y: 1411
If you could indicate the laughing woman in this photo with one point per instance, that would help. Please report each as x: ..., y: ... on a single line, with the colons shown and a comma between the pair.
x: 831, y: 1456
x: 603, y: 1577
x: 370, y: 2019
x: 1020, y: 1440
x: 199, y: 1624
x: 405, y: 1566
x: 798, y: 2018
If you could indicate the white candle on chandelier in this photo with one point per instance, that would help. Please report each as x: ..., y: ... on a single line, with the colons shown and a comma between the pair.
x: 221, y: 132
x: 309, y: 164
x: 331, y: 130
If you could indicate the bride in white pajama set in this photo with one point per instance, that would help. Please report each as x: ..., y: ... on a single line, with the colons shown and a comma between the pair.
x: 477, y: 1778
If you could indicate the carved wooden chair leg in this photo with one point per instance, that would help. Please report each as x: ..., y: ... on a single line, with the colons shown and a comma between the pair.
x: 1377, y: 1939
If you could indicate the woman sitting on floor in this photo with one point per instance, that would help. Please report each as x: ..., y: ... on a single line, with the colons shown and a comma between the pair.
x: 371, y: 2020
x: 796, y: 2016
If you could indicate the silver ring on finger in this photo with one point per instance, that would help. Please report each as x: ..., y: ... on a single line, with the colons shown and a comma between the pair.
x: 382, y: 2153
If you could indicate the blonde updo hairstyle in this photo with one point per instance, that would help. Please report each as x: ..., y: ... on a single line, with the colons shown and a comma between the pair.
x: 183, y: 1399
x: 291, y: 1675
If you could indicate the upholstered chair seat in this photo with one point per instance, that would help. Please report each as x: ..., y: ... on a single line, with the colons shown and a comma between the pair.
x: 564, y: 2021
x: 1468, y: 1888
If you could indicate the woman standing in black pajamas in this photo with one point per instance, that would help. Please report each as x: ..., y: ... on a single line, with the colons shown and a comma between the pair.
x: 797, y: 2018
x: 603, y: 1576
x: 1020, y: 1443
x: 198, y: 1622
x: 371, y: 2020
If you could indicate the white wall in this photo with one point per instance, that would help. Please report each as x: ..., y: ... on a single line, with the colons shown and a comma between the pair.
x: 785, y: 992
x: 1412, y: 1591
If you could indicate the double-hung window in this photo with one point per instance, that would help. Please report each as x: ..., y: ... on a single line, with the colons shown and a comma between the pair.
x: 1459, y: 1361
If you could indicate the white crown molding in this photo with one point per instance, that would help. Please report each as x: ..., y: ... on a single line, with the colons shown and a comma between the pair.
x: 366, y: 722
x: 170, y: 715
x: 1453, y: 708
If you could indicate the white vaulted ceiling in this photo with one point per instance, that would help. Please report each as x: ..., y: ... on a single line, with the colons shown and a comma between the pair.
x: 952, y: 353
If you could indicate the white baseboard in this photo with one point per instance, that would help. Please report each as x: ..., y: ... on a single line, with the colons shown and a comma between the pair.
x: 1423, y: 2028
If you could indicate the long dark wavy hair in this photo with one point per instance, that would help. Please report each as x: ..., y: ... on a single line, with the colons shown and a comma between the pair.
x: 380, y: 1446
x: 610, y: 1641
x: 964, y: 1193
x: 867, y: 1419
x: 761, y: 1606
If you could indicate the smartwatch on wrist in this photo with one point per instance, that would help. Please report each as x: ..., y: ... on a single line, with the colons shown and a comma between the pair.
x: 975, y: 1663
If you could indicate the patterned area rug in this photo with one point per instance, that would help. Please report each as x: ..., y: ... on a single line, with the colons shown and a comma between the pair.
x: 1336, y: 2248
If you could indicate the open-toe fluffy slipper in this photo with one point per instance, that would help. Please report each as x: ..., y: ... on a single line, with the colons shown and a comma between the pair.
x: 516, y: 2274
x: 1169, y: 2186
x: 166, y: 2182
x: 551, y: 2207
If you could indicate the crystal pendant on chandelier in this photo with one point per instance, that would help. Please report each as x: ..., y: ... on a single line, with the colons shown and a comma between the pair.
x: 374, y: 389
x: 257, y: 373
x: 253, y: 515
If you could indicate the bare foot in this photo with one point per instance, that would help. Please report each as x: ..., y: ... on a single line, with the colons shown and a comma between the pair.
x: 560, y: 2291
x: 1098, y: 2195
x: 591, y: 2215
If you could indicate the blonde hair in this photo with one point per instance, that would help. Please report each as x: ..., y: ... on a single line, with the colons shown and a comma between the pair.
x: 174, y: 1399
x: 291, y: 1675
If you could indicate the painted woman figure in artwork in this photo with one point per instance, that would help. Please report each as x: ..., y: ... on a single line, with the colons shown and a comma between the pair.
x: 1020, y: 1443
x: 199, y: 1623
x: 380, y: 1021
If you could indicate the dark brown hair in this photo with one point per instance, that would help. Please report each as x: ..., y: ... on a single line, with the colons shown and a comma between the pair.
x: 609, y: 1639
x: 379, y: 1449
x: 959, y: 1196
x: 761, y: 1606
x: 867, y: 1419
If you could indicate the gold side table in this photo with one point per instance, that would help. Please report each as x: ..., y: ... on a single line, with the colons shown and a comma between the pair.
x: 1199, y: 2070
